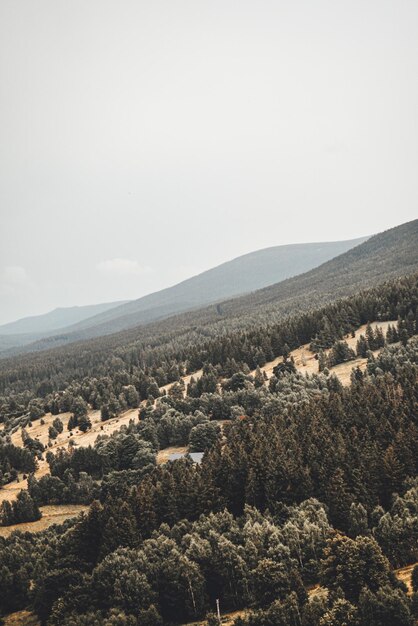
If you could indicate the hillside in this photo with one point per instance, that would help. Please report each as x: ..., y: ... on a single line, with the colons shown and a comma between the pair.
x: 382, y: 257
x: 306, y: 489
x: 241, y: 275
x: 28, y: 329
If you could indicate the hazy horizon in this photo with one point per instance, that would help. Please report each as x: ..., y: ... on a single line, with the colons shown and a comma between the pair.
x: 181, y: 280
x: 143, y: 143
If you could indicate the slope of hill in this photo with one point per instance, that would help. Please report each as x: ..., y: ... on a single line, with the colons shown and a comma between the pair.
x: 389, y: 254
x: 56, y: 319
x: 384, y: 256
x: 241, y: 275
x: 28, y: 329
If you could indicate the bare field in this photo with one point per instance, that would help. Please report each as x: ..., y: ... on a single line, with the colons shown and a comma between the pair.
x: 306, y: 363
x: 405, y: 575
x: 343, y: 370
x: 163, y: 455
x: 51, y: 514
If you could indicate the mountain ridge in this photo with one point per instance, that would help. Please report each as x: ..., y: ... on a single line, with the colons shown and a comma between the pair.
x: 386, y: 255
x: 163, y: 298
x: 240, y: 275
x: 374, y: 259
x: 57, y: 318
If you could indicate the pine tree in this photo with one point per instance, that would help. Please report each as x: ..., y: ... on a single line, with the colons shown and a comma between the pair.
x: 84, y: 423
x: 339, y: 500
x: 362, y: 347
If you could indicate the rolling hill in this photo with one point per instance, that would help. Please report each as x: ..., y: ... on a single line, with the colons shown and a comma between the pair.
x: 56, y: 319
x: 384, y: 256
x: 29, y: 329
x: 241, y: 275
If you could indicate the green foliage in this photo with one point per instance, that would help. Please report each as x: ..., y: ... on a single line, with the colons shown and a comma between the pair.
x: 340, y: 353
x: 58, y: 425
x: 23, y: 509
x: 84, y: 423
x: 52, y: 432
x: 414, y: 579
x: 386, y: 607
x: 14, y: 459
x: 354, y: 564
x: 203, y: 436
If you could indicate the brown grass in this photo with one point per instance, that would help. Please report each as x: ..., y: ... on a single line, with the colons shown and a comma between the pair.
x: 306, y: 363
x: 21, y: 618
x: 405, y: 574
x: 51, y: 514
x: 163, y: 455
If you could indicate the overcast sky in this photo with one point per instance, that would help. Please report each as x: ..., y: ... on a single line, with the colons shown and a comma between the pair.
x: 142, y: 142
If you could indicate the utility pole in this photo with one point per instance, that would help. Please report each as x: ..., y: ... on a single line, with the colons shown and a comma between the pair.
x: 218, y: 612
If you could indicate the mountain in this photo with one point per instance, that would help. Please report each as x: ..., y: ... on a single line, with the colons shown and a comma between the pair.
x: 56, y: 319
x: 384, y: 256
x: 29, y: 329
x: 241, y: 275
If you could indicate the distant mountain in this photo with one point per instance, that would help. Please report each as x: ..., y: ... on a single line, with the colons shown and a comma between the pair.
x: 29, y: 329
x: 58, y: 318
x: 384, y: 256
x: 241, y: 275
x: 391, y: 254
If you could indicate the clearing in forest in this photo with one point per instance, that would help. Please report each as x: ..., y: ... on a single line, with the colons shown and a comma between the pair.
x: 51, y: 514
x: 304, y: 360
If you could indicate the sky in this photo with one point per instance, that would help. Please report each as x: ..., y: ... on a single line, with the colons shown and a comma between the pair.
x: 143, y: 142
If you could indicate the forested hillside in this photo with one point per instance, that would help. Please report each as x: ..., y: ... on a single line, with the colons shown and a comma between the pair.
x: 303, y: 481
x: 240, y: 447
x: 193, y: 338
x: 29, y: 329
